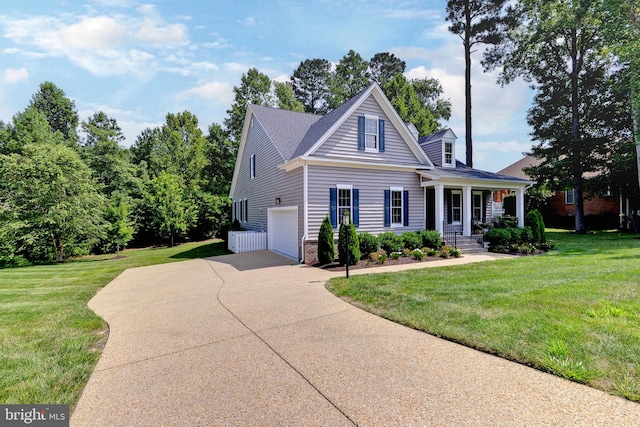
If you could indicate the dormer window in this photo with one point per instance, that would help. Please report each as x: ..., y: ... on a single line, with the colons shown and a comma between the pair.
x: 448, y: 154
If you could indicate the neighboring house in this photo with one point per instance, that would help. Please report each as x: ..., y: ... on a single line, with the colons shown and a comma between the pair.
x: 293, y: 169
x: 602, y: 211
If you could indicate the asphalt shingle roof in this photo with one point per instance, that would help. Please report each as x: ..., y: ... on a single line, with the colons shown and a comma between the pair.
x: 464, y: 172
x: 285, y: 128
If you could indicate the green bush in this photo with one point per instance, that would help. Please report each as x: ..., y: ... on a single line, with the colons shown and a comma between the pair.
x: 418, y: 254
x: 522, y: 235
x: 368, y: 243
x: 543, y: 235
x: 379, y: 257
x: 353, y: 245
x: 390, y: 242
x: 396, y: 255
x: 431, y: 239
x: 326, y: 248
x: 505, y: 221
x: 498, y: 237
x: 411, y: 240
x: 535, y: 221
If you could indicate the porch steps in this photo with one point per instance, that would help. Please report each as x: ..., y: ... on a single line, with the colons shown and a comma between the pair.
x: 468, y: 244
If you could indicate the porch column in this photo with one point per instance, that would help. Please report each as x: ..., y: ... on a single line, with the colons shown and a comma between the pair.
x: 520, y: 206
x: 467, y: 215
x: 439, y: 207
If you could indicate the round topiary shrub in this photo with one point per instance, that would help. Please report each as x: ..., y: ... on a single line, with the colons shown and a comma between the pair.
x: 390, y: 242
x: 411, y: 240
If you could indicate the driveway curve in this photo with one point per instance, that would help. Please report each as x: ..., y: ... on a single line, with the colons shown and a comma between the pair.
x: 252, y: 339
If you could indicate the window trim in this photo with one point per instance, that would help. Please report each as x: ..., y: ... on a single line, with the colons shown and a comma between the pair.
x: 451, y: 161
x: 573, y: 197
x: 400, y: 191
x: 339, y: 206
x: 376, y: 147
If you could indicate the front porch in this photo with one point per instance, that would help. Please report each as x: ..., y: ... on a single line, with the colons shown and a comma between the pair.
x: 458, y: 204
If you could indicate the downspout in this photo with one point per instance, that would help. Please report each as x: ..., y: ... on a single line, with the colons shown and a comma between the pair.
x: 305, y: 208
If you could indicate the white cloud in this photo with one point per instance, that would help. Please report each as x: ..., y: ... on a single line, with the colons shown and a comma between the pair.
x: 96, y: 33
x: 154, y: 30
x: 12, y: 76
x: 221, y: 92
x: 249, y: 21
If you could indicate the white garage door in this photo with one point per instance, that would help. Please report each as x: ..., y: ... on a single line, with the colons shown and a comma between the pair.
x: 282, y: 226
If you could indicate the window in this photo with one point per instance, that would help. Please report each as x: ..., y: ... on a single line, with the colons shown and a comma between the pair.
x: 396, y: 207
x: 252, y: 166
x: 569, y: 197
x: 448, y: 153
x: 344, y: 198
x: 344, y: 202
x: 370, y: 133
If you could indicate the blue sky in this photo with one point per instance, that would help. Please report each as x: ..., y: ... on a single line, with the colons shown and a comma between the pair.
x: 139, y: 60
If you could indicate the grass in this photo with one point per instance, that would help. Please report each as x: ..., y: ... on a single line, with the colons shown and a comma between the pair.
x: 574, y: 312
x: 49, y: 339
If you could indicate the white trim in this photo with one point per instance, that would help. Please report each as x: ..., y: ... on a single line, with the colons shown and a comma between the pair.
x: 305, y: 195
x: 270, y: 231
x: 458, y: 192
x: 324, y: 161
x: 391, y: 114
x: 402, y: 207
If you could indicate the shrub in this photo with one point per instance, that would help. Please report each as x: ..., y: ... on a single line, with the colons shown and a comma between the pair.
x: 522, y: 235
x: 431, y: 239
x: 326, y: 248
x: 505, y: 221
x: 445, y: 251
x: 535, y: 221
x: 498, y: 237
x: 390, y: 242
x: 353, y: 246
x: 430, y: 251
x: 368, y: 243
x: 418, y: 254
x: 379, y: 257
x: 395, y: 255
x: 406, y: 252
x: 411, y: 240
x: 543, y: 235
x: 455, y: 252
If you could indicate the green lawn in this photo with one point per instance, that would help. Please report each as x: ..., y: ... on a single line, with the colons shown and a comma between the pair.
x: 49, y: 340
x: 574, y: 312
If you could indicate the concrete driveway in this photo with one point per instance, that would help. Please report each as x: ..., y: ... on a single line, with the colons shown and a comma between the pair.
x: 251, y: 339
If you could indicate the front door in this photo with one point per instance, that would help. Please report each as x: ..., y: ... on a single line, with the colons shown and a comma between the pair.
x: 456, y: 207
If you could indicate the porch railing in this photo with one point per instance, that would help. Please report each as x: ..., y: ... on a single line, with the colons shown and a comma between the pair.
x: 478, y: 230
x: 449, y: 234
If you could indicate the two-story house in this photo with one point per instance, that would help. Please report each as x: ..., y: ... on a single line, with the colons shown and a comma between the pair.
x: 293, y: 169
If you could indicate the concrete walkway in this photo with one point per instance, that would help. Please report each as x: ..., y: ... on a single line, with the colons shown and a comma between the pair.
x: 253, y: 340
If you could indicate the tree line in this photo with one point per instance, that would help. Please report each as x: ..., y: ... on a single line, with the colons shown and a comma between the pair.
x: 69, y: 188
x: 581, y: 57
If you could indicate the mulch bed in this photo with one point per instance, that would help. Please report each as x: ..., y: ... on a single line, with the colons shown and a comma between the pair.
x: 370, y: 264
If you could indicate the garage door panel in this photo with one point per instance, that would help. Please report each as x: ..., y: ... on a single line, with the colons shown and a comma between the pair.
x: 282, y: 225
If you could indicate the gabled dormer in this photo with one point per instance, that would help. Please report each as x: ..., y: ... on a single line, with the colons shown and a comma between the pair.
x: 440, y: 147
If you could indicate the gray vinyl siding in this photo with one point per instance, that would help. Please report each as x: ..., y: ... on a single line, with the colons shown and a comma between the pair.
x: 433, y: 150
x: 343, y: 143
x: 269, y: 183
x: 371, y: 184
